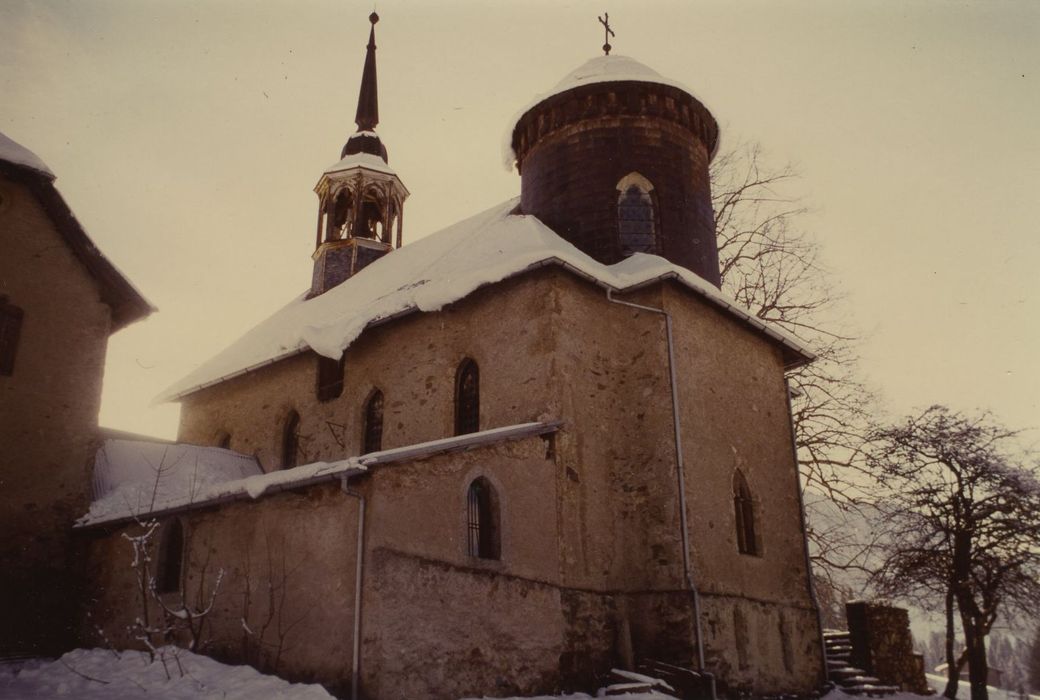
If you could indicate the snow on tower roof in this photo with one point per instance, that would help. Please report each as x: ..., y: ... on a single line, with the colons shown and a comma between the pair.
x: 433, y: 272
x: 17, y: 154
x: 361, y: 160
x: 601, y: 69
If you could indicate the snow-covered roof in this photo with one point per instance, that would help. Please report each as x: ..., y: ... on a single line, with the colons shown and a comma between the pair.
x: 601, y: 69
x: 609, y: 69
x: 133, y: 476
x: 435, y: 271
x: 136, y: 479
x: 16, y: 154
x: 359, y: 160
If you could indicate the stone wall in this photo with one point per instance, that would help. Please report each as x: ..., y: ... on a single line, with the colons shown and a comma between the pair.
x: 48, y: 422
x: 591, y: 522
x: 883, y: 646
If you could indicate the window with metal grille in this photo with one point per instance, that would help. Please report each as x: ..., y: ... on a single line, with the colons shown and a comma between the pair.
x: 744, y: 510
x: 171, y: 557
x: 637, y: 228
x: 10, y: 330
x: 290, y: 440
x: 482, y: 520
x: 373, y: 437
x: 330, y: 377
x: 467, y: 398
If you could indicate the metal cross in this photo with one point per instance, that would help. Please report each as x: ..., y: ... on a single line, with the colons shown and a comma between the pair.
x: 607, y: 32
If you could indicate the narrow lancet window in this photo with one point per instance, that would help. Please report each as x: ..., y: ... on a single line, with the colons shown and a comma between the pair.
x: 171, y: 557
x: 637, y: 227
x: 467, y: 398
x: 482, y: 520
x: 373, y: 434
x: 744, y: 510
x: 290, y: 440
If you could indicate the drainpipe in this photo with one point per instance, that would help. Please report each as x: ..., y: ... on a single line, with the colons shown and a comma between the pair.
x: 680, y: 470
x: 360, y: 559
x: 805, y: 537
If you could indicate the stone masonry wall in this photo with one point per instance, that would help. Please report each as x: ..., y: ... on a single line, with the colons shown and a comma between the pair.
x: 604, y: 557
x: 48, y: 422
x: 883, y: 646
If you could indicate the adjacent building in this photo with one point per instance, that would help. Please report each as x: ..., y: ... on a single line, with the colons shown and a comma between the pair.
x: 60, y: 300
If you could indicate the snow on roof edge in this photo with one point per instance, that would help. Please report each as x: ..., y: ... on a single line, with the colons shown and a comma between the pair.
x: 16, y: 154
x: 257, y: 486
x: 774, y: 332
x: 426, y: 276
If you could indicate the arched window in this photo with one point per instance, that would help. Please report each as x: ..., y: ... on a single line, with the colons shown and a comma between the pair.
x: 482, y: 520
x: 637, y: 228
x: 342, y: 216
x: 744, y: 510
x: 373, y: 430
x: 330, y: 377
x: 371, y: 216
x: 290, y: 440
x: 171, y: 558
x: 467, y: 398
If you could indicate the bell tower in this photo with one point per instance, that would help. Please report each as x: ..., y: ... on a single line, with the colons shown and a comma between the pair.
x: 360, y: 198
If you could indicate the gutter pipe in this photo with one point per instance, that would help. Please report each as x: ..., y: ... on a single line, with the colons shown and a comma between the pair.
x: 680, y: 470
x: 805, y: 537
x: 355, y: 678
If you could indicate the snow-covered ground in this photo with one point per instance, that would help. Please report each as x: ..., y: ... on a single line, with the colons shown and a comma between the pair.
x: 102, y: 674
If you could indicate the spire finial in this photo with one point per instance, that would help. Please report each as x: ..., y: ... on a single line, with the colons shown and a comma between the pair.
x: 368, y: 101
x: 607, y: 32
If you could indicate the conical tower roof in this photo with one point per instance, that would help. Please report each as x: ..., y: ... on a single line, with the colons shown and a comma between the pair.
x: 365, y: 140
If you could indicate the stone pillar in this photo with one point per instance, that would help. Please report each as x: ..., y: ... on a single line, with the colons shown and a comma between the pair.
x: 883, y: 646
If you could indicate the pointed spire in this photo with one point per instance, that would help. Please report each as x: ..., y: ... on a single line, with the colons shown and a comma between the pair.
x: 368, y: 101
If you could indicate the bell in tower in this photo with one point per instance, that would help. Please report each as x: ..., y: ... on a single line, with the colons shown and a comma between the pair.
x: 361, y: 199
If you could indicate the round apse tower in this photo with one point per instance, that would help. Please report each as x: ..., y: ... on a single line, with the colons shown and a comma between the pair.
x: 615, y: 160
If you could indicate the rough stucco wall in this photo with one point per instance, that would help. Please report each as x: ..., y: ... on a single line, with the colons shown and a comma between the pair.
x: 734, y: 414
x: 549, y: 345
x: 440, y: 623
x: 412, y: 361
x: 427, y: 604
x: 48, y: 420
x: 288, y: 566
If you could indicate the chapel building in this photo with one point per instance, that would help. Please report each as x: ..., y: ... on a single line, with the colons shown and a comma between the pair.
x: 504, y: 458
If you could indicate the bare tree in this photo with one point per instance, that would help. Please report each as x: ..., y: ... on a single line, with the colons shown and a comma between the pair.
x: 772, y: 266
x: 965, y: 525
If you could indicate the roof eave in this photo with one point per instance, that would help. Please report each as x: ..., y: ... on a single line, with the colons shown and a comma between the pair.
x: 125, y: 301
x: 795, y: 355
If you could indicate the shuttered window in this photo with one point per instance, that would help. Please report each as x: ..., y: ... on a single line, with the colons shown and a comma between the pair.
x: 10, y: 330
x: 373, y: 435
x: 467, y: 398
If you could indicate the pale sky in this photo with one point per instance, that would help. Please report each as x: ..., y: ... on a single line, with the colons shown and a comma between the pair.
x: 187, y: 137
